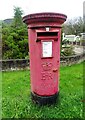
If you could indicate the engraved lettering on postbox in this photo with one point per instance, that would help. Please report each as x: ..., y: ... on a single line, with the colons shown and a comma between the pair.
x: 43, y: 76
x: 46, y: 75
x: 50, y: 75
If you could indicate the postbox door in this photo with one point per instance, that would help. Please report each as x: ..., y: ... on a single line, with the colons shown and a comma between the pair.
x: 49, y: 66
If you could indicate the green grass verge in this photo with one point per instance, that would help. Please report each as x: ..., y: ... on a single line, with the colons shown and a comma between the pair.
x: 0, y: 94
x: 17, y: 101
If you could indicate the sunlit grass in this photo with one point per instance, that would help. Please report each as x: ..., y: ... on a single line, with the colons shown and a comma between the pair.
x: 17, y: 101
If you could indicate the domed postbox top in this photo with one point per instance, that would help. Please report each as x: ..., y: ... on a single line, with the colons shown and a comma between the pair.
x: 44, y: 17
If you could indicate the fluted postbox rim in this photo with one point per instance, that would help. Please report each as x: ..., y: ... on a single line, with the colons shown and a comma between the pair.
x: 45, y: 17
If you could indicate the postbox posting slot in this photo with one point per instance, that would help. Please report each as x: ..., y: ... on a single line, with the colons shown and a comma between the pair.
x: 47, y: 48
x: 47, y: 35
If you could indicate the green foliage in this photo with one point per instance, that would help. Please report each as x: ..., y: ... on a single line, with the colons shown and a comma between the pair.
x: 67, y: 51
x: 15, y: 37
x: 17, y: 17
x: 16, y: 99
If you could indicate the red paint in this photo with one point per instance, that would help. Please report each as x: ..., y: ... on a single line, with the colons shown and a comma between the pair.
x: 44, y: 71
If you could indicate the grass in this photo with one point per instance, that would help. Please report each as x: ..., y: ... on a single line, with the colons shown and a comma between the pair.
x: 17, y: 101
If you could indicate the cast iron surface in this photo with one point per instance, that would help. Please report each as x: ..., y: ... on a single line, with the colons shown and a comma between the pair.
x: 44, y: 17
x: 44, y: 100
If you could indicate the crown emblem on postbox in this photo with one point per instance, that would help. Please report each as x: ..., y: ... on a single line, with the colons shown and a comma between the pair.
x: 47, y: 66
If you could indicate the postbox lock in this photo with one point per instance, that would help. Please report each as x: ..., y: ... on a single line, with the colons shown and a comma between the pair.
x: 56, y: 69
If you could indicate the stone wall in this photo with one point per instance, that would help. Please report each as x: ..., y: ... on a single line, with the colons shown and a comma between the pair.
x: 23, y: 64
x: 15, y: 64
x: 69, y: 60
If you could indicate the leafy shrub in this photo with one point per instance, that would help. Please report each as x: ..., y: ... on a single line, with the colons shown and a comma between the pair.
x: 15, y: 38
x: 68, y: 51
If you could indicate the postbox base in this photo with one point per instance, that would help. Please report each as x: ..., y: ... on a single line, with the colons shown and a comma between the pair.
x: 44, y: 100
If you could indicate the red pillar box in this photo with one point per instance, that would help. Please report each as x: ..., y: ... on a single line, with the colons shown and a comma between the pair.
x: 44, y: 31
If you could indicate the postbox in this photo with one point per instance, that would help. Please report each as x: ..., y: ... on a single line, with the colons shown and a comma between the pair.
x: 44, y: 33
